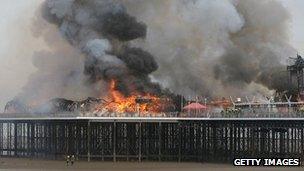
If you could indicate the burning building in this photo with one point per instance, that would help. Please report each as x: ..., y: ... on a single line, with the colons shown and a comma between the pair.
x: 132, y: 55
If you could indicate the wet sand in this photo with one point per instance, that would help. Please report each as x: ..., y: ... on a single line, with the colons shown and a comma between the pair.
x: 13, y: 164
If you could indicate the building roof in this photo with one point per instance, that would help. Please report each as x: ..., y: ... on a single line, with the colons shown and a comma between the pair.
x: 195, y: 106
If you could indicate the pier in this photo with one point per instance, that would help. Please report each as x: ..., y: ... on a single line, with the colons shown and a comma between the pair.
x: 152, y: 139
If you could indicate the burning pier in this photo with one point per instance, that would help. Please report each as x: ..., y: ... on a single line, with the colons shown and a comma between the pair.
x: 102, y: 65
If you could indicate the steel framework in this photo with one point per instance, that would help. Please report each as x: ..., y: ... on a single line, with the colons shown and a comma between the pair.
x: 167, y: 139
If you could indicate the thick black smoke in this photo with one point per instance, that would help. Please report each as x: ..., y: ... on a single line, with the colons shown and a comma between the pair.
x: 122, y: 26
x: 101, y: 30
x: 215, y: 48
x: 139, y: 61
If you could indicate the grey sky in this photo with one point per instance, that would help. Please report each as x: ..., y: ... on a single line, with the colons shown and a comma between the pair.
x: 297, y: 25
x: 15, y: 31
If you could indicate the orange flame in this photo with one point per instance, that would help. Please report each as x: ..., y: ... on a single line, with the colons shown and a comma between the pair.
x: 131, y: 104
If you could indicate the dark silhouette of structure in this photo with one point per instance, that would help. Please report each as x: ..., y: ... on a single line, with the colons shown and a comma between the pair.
x: 296, y: 74
x: 159, y: 139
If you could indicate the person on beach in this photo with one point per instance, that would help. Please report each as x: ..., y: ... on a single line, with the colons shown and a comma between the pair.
x: 68, y: 158
x: 72, y: 160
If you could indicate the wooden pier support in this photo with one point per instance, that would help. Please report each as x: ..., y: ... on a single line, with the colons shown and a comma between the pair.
x: 155, y: 139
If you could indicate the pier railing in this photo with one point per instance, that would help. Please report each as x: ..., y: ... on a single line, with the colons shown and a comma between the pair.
x: 242, y: 113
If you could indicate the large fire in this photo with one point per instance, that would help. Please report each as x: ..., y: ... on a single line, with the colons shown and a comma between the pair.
x: 135, y: 103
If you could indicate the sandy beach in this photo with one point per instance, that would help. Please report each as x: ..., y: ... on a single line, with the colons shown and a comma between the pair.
x: 13, y: 164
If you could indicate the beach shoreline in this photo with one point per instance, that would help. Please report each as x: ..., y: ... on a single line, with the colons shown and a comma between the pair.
x: 39, y: 164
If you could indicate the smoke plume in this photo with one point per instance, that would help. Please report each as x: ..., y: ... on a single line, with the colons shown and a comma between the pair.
x: 212, y: 48
x: 216, y: 48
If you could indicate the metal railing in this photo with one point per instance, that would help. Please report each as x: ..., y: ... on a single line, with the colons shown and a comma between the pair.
x: 245, y: 113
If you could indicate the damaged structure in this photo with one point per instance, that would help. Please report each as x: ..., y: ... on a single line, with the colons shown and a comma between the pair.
x: 296, y: 75
x: 118, y: 44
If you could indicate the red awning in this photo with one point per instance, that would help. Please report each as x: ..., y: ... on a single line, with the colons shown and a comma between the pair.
x: 195, y: 106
